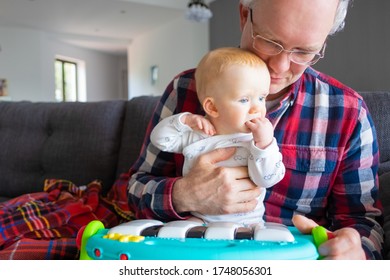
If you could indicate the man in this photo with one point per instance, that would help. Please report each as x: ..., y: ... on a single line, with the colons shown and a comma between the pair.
x: 323, y: 129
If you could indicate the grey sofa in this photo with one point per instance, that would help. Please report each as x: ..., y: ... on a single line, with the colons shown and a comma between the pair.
x: 79, y: 142
x: 82, y: 142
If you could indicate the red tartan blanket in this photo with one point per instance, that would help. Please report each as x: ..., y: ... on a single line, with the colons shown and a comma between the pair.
x: 44, y: 225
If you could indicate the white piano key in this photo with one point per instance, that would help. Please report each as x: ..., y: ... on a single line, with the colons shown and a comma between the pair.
x: 272, y: 232
x: 177, y: 229
x: 221, y: 230
x: 134, y: 227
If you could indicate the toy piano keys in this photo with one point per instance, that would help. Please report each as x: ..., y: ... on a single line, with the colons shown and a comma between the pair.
x: 187, y: 240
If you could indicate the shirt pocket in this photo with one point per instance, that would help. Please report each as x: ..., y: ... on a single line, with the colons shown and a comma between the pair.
x: 308, y: 178
x: 309, y: 159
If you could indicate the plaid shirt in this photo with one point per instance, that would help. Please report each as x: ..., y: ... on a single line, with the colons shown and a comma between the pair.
x: 328, y: 142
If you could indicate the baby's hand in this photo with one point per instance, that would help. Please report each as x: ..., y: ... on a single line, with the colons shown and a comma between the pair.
x: 262, y: 130
x: 199, y: 123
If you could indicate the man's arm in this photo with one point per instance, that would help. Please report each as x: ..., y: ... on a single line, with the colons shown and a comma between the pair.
x: 354, y: 199
x: 153, y: 174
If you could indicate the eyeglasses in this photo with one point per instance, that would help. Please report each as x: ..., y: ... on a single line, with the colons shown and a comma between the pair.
x: 269, y: 47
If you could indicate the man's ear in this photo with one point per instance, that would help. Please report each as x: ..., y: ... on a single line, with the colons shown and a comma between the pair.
x: 209, y: 107
x: 244, y: 13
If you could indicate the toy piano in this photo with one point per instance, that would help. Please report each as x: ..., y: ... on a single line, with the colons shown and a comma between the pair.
x: 187, y: 240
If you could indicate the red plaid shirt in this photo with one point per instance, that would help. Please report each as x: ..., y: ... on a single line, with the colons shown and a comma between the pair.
x: 328, y: 142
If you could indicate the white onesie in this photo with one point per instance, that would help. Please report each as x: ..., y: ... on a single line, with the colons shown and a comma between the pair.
x: 265, y: 166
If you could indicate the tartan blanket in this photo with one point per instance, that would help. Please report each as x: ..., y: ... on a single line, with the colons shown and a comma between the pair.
x: 44, y: 225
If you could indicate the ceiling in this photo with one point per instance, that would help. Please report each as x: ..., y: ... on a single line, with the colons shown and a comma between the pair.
x: 105, y: 25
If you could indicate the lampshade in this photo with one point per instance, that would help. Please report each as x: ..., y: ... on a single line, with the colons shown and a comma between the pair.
x: 198, y: 11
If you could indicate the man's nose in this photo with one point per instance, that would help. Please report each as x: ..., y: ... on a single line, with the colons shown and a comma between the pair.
x: 279, y: 63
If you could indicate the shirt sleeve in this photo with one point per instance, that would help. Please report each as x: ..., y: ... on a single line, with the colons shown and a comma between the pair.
x: 152, y: 176
x: 354, y: 198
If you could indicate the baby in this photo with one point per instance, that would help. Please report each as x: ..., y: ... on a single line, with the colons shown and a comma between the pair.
x: 232, y: 85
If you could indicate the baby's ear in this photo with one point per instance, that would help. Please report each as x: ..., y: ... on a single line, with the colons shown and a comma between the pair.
x: 209, y: 107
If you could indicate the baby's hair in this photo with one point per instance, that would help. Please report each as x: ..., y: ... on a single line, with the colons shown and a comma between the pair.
x: 213, y: 64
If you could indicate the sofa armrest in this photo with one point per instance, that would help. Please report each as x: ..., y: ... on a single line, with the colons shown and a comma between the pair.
x: 384, y: 195
x: 139, y: 111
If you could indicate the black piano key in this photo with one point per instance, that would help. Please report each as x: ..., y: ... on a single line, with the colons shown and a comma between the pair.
x: 196, y: 232
x: 151, y: 231
x: 199, y: 232
x: 243, y: 233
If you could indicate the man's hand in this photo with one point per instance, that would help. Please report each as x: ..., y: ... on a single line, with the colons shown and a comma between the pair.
x: 213, y: 190
x: 346, y: 244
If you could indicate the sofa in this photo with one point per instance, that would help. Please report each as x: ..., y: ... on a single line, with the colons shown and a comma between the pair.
x: 83, y: 142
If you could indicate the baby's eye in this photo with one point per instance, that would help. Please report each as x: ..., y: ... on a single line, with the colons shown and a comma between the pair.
x: 243, y: 100
x: 261, y: 98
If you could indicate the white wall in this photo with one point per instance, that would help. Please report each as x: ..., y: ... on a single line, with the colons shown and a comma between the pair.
x: 27, y: 62
x: 20, y: 63
x: 173, y: 47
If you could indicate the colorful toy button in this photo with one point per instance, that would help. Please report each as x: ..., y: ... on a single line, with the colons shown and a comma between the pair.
x: 319, y: 235
x: 131, y: 238
x: 124, y: 237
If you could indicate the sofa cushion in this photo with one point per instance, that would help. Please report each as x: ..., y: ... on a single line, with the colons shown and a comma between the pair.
x: 73, y: 141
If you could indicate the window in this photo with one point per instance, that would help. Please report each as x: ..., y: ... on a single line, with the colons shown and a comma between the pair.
x: 66, y: 80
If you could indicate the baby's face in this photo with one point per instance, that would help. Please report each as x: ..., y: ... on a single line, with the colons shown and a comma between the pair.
x: 239, y: 97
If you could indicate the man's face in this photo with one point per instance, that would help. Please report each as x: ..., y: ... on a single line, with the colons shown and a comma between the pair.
x: 294, y: 24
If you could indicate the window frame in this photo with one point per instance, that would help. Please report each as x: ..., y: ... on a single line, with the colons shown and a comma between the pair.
x: 64, y: 96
